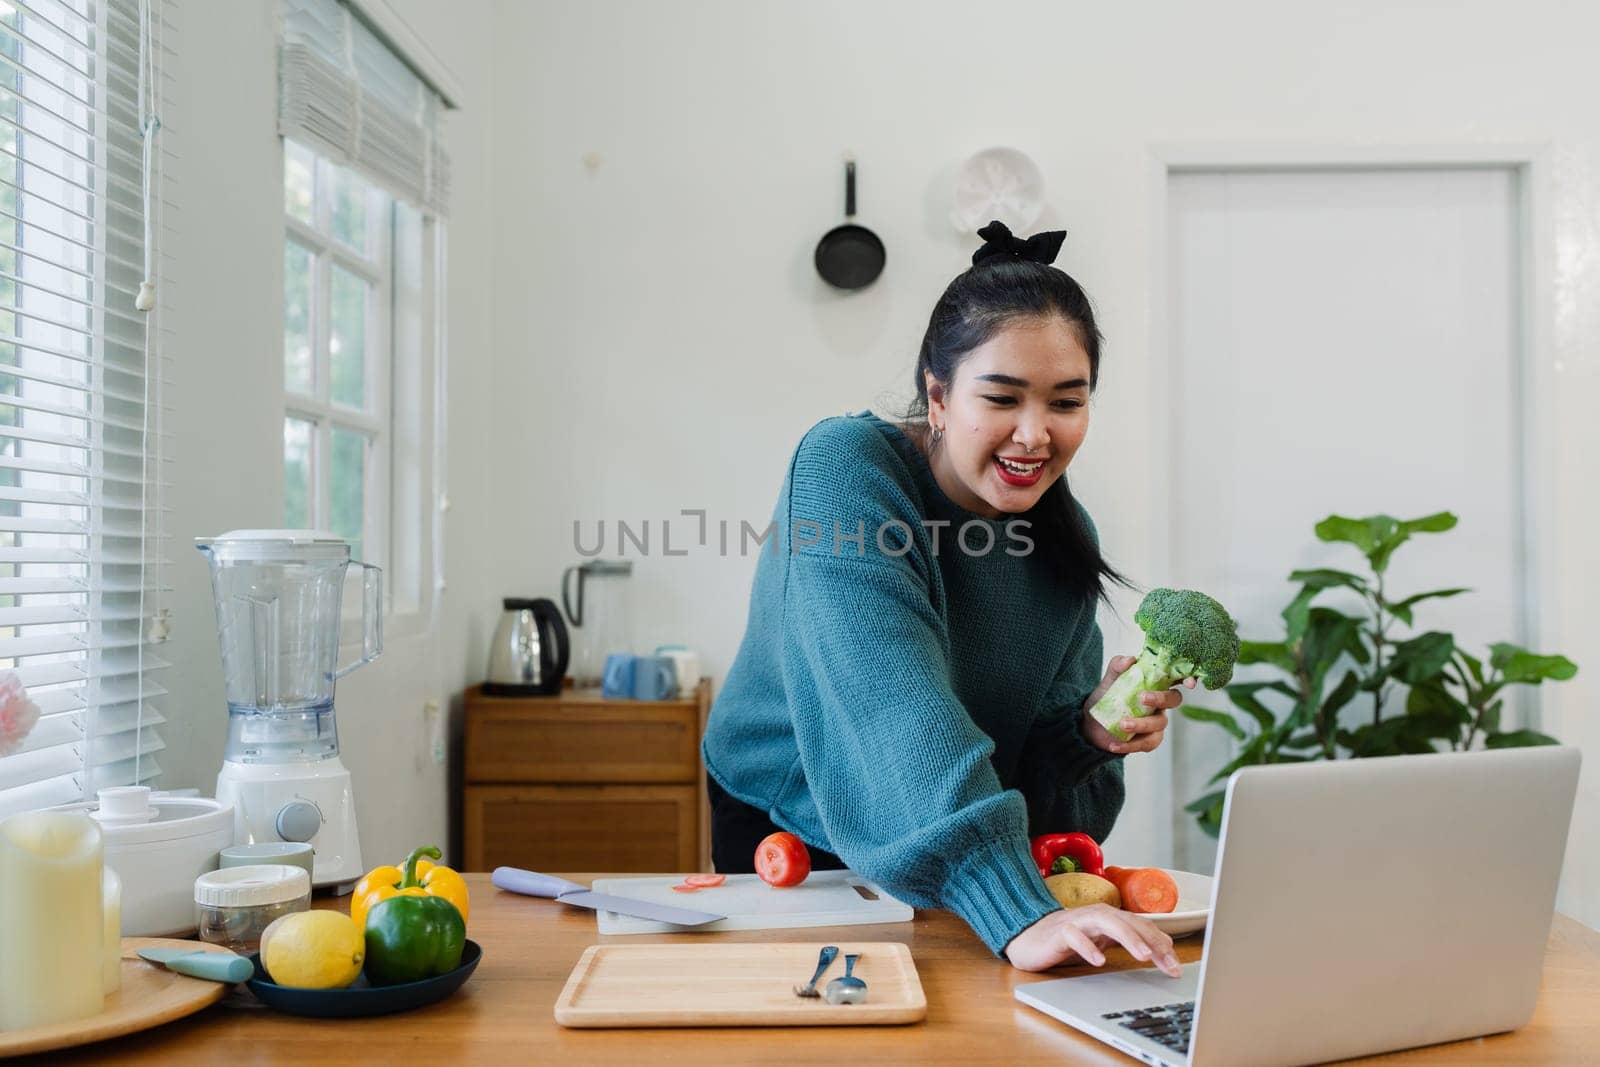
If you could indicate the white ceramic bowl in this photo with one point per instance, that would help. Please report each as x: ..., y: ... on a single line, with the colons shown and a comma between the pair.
x: 1194, y: 904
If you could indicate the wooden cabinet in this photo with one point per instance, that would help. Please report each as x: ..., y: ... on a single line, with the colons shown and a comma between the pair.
x: 577, y: 782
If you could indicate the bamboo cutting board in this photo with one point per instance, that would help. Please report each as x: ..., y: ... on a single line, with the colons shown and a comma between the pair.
x: 688, y: 984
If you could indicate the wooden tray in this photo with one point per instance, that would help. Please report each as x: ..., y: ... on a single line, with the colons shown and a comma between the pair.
x: 735, y: 985
x: 150, y: 995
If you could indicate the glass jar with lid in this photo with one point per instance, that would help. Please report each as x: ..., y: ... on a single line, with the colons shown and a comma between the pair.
x: 234, y: 905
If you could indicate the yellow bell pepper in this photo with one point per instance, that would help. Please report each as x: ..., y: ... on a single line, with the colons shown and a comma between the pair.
x: 381, y: 883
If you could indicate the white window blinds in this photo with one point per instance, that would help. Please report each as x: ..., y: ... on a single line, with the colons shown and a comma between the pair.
x: 347, y: 95
x: 81, y: 443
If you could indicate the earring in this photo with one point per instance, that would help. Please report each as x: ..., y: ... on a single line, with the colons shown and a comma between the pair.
x: 937, y: 434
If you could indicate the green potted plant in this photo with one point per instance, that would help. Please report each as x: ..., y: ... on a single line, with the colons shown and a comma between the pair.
x: 1453, y: 700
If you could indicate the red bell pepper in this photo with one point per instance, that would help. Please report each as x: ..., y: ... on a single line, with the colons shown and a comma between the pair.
x: 1067, y: 853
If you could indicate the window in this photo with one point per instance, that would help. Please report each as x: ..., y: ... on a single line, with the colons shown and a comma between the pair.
x: 337, y: 352
x: 365, y: 184
x: 81, y: 448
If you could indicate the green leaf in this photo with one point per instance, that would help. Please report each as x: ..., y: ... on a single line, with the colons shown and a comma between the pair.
x: 1206, y: 801
x: 1431, y: 698
x: 1430, y: 724
x: 1341, y: 695
x: 1520, y: 665
x: 1358, y: 650
x: 1365, y: 533
x: 1252, y: 755
x: 1422, y: 658
x: 1329, y: 635
x: 1402, y: 608
x: 1297, y: 613
x: 1412, y: 745
x: 1401, y: 533
x: 1391, y: 737
x: 1243, y: 695
x: 1519, y: 739
x: 1378, y: 536
x: 1303, y: 739
x: 1223, y: 719
x: 1328, y: 578
x: 1438, y: 522
x: 1276, y: 653
x: 1474, y: 665
x: 1490, y: 723
x: 1208, y: 811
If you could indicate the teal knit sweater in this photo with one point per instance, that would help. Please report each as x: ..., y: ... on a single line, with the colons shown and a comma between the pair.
x: 913, y: 711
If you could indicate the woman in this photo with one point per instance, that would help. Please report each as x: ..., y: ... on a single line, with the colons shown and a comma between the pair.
x: 910, y: 696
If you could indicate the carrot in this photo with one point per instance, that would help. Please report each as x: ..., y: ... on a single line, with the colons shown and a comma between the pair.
x: 1145, y: 890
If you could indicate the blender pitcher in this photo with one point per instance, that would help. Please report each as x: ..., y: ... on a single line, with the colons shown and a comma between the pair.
x: 278, y: 596
x: 278, y: 599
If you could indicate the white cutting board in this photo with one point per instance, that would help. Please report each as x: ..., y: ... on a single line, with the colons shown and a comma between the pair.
x: 825, y: 898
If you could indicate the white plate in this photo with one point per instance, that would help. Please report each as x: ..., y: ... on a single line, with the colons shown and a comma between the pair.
x: 1194, y: 904
x: 998, y: 183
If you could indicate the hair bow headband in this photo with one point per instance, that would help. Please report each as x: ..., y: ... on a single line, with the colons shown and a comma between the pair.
x: 998, y: 241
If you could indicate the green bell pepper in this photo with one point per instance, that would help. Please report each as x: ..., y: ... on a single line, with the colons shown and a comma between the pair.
x: 410, y: 938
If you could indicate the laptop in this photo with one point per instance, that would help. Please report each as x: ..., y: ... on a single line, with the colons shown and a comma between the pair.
x: 1358, y: 906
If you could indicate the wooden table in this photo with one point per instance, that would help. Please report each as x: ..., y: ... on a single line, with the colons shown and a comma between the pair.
x: 504, y: 1014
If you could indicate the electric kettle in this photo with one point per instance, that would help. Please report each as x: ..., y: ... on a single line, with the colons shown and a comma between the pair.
x: 530, y: 650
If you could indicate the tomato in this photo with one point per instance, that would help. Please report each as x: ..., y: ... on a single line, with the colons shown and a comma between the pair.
x: 704, y: 881
x: 782, y: 860
x: 686, y: 888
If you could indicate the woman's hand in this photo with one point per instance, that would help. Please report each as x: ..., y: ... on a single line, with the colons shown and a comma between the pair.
x: 1147, y: 730
x: 1080, y: 933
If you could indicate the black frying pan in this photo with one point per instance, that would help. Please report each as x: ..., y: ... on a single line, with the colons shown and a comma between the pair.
x: 849, y: 256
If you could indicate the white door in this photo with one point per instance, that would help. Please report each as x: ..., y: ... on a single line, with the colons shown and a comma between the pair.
x: 1342, y: 341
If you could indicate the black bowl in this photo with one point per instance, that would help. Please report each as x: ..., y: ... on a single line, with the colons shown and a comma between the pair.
x: 363, y: 999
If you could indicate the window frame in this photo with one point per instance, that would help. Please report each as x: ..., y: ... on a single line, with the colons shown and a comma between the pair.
x: 318, y: 407
x: 400, y: 533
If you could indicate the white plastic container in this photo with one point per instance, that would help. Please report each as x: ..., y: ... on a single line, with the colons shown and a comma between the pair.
x: 234, y: 905
x: 158, y: 850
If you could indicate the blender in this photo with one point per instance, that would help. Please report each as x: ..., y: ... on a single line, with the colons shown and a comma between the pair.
x: 278, y: 596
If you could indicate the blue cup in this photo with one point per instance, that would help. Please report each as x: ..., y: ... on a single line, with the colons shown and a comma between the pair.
x: 654, y: 678
x: 616, y: 680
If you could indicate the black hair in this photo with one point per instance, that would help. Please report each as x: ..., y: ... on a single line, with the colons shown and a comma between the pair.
x: 993, y: 294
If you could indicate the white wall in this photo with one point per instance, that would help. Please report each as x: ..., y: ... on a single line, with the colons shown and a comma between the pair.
x: 647, y: 335
x: 227, y: 405
x: 661, y: 340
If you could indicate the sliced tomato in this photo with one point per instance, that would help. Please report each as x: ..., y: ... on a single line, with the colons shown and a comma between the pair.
x: 782, y: 860
x: 685, y: 888
x: 704, y: 881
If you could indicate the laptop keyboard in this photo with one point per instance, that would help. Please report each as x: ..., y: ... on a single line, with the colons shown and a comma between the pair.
x: 1167, y: 1024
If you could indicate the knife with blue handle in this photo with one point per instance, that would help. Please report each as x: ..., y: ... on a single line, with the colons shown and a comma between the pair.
x: 212, y: 966
x: 534, y: 884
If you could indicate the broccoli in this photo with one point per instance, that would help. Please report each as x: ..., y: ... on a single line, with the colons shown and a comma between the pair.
x: 1186, y: 634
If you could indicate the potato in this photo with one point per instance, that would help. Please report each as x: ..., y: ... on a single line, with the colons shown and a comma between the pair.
x: 1078, y: 890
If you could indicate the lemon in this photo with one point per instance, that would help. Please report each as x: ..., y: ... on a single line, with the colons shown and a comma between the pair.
x: 266, y: 935
x: 314, y: 950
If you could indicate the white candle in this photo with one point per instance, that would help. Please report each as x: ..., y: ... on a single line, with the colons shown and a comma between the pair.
x: 52, y: 921
x: 111, y: 905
